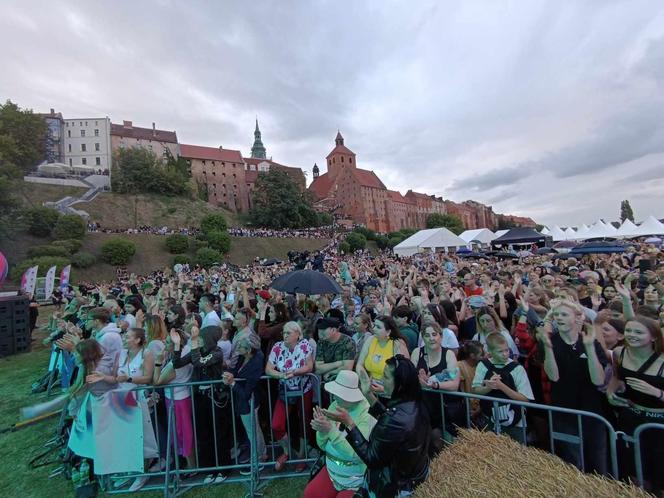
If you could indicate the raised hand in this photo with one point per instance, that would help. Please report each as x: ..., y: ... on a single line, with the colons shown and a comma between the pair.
x: 642, y: 386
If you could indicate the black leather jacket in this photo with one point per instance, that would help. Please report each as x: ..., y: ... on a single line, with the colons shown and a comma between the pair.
x: 396, y: 454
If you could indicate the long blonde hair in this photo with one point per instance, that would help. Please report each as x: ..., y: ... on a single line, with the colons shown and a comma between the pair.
x: 90, y: 353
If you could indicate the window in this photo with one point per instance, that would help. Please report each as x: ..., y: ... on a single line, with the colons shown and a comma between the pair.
x: 69, y: 133
x: 70, y: 163
x: 80, y: 123
x: 97, y: 147
x: 69, y: 147
x: 84, y: 161
x: 82, y: 133
x: 342, y: 158
x: 350, y: 159
x: 83, y: 148
x: 96, y: 123
x: 98, y: 161
x: 96, y: 132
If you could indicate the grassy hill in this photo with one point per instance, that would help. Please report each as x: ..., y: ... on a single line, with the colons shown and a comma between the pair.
x: 151, y: 253
x: 123, y: 210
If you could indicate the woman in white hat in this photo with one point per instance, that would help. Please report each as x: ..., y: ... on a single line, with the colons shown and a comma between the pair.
x: 343, y: 471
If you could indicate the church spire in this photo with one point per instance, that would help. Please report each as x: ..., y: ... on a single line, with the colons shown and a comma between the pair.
x: 339, y: 140
x: 258, y: 149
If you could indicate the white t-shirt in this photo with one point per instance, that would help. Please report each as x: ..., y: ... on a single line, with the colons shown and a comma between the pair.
x: 514, y: 350
x: 226, y: 347
x: 182, y: 375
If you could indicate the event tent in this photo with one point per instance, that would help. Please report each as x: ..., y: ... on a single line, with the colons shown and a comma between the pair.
x: 582, y: 232
x: 651, y: 226
x: 545, y: 231
x: 626, y: 229
x: 483, y: 235
x: 500, y: 233
x: 520, y: 235
x: 570, y: 234
x: 600, y: 230
x: 430, y: 239
x: 557, y: 234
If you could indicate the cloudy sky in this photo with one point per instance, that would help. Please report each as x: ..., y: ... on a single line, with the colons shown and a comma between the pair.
x: 548, y: 109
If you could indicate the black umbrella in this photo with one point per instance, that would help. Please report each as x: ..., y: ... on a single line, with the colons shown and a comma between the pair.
x: 306, y: 282
x: 599, y: 247
x: 271, y: 261
x: 546, y: 250
x: 503, y: 255
x: 472, y: 255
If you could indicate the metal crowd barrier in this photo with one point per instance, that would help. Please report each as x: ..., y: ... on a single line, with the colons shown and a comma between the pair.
x: 174, y: 480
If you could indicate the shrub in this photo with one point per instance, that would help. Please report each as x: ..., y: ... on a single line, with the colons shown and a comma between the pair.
x: 47, y: 250
x: 206, y: 257
x: 368, y: 234
x: 177, y: 243
x: 69, y: 226
x: 83, y: 259
x: 71, y: 245
x: 196, y: 244
x: 344, y: 247
x: 44, y: 262
x: 41, y: 220
x: 356, y: 241
x: 219, y: 241
x: 117, y: 251
x: 394, y: 240
x: 382, y: 241
x: 213, y: 222
x: 181, y: 259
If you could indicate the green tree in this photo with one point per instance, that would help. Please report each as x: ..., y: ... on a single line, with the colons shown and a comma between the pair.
x: 626, y: 212
x: 69, y: 226
x: 279, y: 203
x: 83, y: 259
x: 212, y: 222
x: 177, y: 243
x: 449, y: 221
x: 137, y: 170
x: 206, y: 257
x: 219, y: 241
x: 356, y: 241
x: 344, y: 247
x: 48, y: 250
x: 118, y: 251
x: 22, y: 139
x: 40, y: 220
x: 368, y: 234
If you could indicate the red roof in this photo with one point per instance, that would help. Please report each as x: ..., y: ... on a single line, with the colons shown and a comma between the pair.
x: 321, y: 186
x: 396, y: 196
x: 368, y: 178
x: 340, y: 149
x: 210, y: 153
x: 417, y: 194
x: 138, y: 133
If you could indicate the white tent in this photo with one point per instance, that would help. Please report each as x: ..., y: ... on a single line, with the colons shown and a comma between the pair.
x: 570, y: 234
x: 582, y: 232
x: 557, y: 234
x: 483, y: 235
x: 500, y: 233
x: 651, y: 226
x: 545, y: 231
x: 626, y: 229
x: 430, y: 239
x: 600, y: 230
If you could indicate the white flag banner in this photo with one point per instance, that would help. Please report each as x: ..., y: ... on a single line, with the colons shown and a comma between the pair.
x: 49, y: 283
x: 29, y: 280
x: 64, y: 276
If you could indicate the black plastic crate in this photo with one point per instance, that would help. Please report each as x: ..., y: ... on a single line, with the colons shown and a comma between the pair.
x: 6, y: 309
x: 21, y: 343
x: 21, y: 323
x: 6, y: 346
x: 6, y: 330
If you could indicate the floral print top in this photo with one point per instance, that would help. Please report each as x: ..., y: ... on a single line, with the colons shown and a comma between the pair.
x: 285, y: 360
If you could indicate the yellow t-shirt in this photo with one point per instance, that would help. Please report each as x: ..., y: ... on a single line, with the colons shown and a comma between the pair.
x: 374, y: 363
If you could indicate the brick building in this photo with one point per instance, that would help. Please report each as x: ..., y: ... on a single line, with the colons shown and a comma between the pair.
x: 222, y: 172
x: 127, y: 135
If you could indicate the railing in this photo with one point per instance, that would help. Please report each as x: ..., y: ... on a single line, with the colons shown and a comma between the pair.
x: 571, y: 435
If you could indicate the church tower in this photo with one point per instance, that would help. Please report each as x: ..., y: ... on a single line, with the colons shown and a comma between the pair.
x: 258, y: 149
x: 316, y: 171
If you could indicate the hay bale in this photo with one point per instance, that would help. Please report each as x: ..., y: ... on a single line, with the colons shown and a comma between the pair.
x: 483, y: 464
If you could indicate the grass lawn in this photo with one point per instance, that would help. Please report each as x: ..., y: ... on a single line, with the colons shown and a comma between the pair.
x: 17, y: 480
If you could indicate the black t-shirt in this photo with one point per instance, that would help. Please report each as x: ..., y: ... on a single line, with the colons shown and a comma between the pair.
x: 574, y: 388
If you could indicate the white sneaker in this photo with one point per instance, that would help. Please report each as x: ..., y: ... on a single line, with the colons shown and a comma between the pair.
x: 138, y: 483
x: 215, y: 478
x: 159, y: 465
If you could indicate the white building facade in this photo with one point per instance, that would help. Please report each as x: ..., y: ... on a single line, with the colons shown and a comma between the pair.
x: 88, y: 145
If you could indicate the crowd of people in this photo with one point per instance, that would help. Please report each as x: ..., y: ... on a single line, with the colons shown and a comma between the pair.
x: 583, y: 334
x: 301, y: 233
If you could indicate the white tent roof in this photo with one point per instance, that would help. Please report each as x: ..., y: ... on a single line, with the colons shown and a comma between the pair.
x: 500, y: 233
x: 484, y: 235
x: 626, y: 229
x: 600, y: 230
x: 651, y: 226
x: 570, y: 234
x: 557, y: 234
x: 432, y: 238
x: 582, y: 232
x: 545, y: 231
